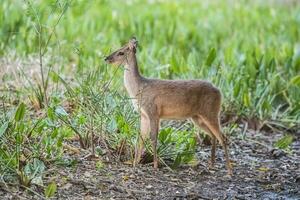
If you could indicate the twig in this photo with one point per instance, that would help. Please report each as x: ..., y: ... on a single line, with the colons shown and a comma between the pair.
x: 34, y: 192
x: 39, y: 31
x: 257, y: 142
x: 244, y: 130
x: 54, y: 27
x: 67, y: 122
x: 92, y: 139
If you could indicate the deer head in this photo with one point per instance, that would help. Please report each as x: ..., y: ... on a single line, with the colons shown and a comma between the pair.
x: 119, y: 57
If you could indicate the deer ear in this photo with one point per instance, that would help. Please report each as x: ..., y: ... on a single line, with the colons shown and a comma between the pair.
x: 133, y: 44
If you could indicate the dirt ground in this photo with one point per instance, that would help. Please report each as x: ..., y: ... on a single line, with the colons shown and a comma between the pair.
x: 260, y: 172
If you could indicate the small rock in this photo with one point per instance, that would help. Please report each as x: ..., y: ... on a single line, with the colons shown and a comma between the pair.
x: 149, y: 186
x: 87, y: 174
x: 66, y: 186
x: 297, y: 179
x: 277, y: 153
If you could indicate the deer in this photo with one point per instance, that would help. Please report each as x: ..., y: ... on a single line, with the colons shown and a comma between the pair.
x: 158, y: 99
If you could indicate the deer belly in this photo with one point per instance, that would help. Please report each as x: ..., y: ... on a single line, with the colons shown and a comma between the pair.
x: 176, y: 112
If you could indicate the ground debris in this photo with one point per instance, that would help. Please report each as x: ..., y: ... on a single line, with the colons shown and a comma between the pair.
x: 260, y: 172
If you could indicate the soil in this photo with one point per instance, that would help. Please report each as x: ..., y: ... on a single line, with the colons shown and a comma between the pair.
x: 260, y: 172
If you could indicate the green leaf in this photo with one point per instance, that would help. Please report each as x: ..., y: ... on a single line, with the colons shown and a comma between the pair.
x: 295, y: 80
x: 50, y: 113
x: 110, y: 101
x: 50, y: 190
x: 61, y: 111
x: 99, y: 165
x: 246, y: 99
x: 284, y: 142
x: 81, y: 119
x: 236, y: 90
x: 20, y: 112
x: 34, y: 169
x: 112, y: 125
x: 177, y: 161
x: 3, y: 128
x: 164, y: 135
x: 211, y: 57
x: 60, y: 141
x: 54, y: 76
x: 54, y: 133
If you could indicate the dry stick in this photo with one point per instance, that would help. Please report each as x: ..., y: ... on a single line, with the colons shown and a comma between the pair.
x: 39, y: 32
x: 7, y: 165
x: 245, y: 130
x: 45, y: 48
x: 67, y: 122
x: 4, y: 185
x: 54, y: 27
x: 92, y: 139
x: 41, y: 67
x: 8, y: 90
x: 4, y: 109
x: 41, y: 54
x: 27, y: 188
x: 101, y: 119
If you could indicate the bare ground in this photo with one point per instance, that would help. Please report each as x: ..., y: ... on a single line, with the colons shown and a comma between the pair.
x: 260, y: 172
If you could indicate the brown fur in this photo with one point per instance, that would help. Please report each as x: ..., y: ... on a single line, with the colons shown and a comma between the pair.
x: 170, y: 99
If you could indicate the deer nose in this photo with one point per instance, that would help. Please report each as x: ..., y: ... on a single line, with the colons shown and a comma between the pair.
x: 106, y: 59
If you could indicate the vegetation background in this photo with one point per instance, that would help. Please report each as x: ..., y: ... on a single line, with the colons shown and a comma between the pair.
x: 55, y: 87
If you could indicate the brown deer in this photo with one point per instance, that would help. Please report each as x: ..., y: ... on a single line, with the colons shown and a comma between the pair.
x: 169, y: 99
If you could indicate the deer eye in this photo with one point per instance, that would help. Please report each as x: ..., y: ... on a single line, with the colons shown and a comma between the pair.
x: 120, y: 53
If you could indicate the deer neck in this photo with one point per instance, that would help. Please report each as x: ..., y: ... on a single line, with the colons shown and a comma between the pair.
x: 132, y: 76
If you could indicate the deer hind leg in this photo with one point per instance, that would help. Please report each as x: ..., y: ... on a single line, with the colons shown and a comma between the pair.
x: 197, y: 121
x: 145, y: 129
x: 214, y: 126
x: 154, y: 127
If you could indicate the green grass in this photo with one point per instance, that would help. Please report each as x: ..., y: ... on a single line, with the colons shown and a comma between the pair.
x: 249, y: 49
x: 257, y: 54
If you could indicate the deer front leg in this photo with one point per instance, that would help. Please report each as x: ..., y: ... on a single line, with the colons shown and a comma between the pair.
x: 154, y: 126
x: 213, y: 152
x: 141, y: 139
